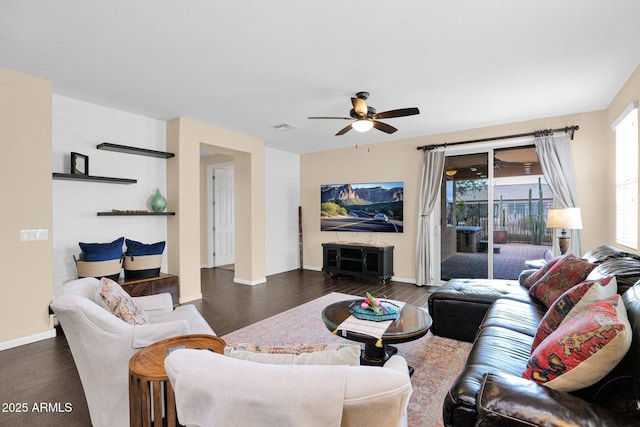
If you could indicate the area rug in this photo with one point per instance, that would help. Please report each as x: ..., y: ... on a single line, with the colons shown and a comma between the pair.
x: 437, y: 361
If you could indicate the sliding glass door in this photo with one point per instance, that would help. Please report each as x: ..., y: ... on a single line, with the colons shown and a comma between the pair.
x: 465, y: 227
x: 493, y: 213
x: 521, y: 198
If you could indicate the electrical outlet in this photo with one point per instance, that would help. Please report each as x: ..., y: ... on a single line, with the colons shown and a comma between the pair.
x: 32, y: 235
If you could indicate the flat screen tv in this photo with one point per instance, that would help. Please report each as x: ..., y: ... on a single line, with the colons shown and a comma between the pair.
x: 369, y: 207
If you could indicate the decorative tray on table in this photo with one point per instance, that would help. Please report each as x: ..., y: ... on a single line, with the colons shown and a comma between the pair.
x: 389, y: 311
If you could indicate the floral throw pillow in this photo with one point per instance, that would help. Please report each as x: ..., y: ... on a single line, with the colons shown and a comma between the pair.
x: 584, y: 349
x: 571, y: 302
x: 121, y: 304
x: 535, y: 276
x: 562, y: 276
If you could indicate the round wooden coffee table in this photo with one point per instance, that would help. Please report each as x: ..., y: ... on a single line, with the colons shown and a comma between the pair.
x: 148, y: 379
x: 413, y: 323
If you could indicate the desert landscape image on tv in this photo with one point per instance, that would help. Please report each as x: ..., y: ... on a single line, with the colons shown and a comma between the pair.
x: 370, y: 207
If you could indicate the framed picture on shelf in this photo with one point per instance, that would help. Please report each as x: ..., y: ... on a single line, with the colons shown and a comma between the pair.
x: 79, y: 164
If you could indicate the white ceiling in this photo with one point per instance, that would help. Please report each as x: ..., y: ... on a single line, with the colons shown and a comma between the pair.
x: 250, y: 65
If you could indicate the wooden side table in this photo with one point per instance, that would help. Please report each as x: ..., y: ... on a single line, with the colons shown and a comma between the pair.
x: 151, y: 396
x: 164, y: 283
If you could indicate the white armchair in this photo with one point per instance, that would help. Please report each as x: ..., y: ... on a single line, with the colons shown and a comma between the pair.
x: 102, y: 344
x: 217, y: 390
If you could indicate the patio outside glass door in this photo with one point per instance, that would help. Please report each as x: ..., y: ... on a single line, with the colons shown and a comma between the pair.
x: 521, y: 199
x: 493, y: 214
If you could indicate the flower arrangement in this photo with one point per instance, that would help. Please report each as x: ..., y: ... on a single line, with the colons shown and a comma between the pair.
x: 371, y: 303
x: 372, y: 308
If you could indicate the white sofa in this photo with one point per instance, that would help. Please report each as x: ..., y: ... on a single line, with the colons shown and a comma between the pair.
x: 102, y: 344
x: 217, y: 390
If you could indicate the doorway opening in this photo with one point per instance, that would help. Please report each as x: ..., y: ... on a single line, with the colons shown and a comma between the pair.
x: 221, y: 214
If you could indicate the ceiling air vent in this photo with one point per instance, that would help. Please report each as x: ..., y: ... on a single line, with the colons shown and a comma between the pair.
x: 285, y: 126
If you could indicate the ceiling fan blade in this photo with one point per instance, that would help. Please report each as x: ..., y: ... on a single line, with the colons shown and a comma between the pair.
x: 384, y: 127
x: 402, y: 112
x: 359, y: 106
x: 332, y: 118
x: 343, y: 131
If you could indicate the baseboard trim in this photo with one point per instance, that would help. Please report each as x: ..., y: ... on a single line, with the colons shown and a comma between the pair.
x: 28, y: 339
x: 403, y: 280
x: 393, y: 278
x: 191, y: 298
x: 250, y: 282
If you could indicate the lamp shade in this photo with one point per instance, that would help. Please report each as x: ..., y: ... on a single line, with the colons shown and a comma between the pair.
x: 362, y: 125
x: 566, y: 218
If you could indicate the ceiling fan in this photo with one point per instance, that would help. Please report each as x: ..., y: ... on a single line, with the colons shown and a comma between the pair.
x: 365, y: 117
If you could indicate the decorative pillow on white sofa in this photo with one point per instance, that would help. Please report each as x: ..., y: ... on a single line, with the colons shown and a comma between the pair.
x: 309, y: 354
x: 121, y: 304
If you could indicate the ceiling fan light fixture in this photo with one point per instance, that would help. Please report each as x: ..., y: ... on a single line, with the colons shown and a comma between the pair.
x: 362, y: 125
x: 451, y: 172
x: 363, y: 117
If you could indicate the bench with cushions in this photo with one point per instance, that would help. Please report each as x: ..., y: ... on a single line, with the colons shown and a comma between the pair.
x: 503, y: 319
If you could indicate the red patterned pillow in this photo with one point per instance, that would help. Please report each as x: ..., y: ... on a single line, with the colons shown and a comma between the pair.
x: 536, y: 275
x: 571, y: 302
x: 562, y: 276
x: 121, y: 304
x: 583, y: 349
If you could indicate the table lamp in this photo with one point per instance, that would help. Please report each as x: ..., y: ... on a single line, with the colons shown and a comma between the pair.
x: 565, y: 219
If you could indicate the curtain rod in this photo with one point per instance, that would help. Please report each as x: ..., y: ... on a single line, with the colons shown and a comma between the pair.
x: 569, y: 129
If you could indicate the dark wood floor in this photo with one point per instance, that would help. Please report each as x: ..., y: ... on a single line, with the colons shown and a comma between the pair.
x: 44, y: 372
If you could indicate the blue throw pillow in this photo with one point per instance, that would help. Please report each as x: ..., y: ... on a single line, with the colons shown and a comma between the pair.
x: 102, y: 251
x: 140, y: 249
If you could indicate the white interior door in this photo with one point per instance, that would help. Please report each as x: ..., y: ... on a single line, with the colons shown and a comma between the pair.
x: 224, y: 252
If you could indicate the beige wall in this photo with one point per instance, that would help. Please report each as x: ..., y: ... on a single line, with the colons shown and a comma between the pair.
x: 184, y: 137
x: 388, y: 162
x: 27, y: 267
x: 400, y: 161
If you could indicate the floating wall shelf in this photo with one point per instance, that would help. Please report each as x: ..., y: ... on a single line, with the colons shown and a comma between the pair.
x: 136, y: 213
x: 134, y: 150
x: 91, y: 178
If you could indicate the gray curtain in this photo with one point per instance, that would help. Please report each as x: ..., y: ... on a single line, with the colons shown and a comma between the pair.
x: 430, y: 182
x: 556, y: 162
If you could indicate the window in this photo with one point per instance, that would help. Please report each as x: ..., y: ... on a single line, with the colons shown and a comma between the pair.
x: 626, y: 128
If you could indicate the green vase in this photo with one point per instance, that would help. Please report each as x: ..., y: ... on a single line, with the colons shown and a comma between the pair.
x: 158, y: 202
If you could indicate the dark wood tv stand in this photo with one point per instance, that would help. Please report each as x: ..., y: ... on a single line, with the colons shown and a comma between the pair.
x: 358, y: 259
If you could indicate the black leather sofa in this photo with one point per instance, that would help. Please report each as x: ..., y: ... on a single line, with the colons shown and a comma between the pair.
x: 501, y: 320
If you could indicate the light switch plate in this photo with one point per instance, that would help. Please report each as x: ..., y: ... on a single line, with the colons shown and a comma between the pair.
x: 32, y: 235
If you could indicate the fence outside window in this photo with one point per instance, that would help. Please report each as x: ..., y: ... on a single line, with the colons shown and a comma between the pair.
x: 515, y: 219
